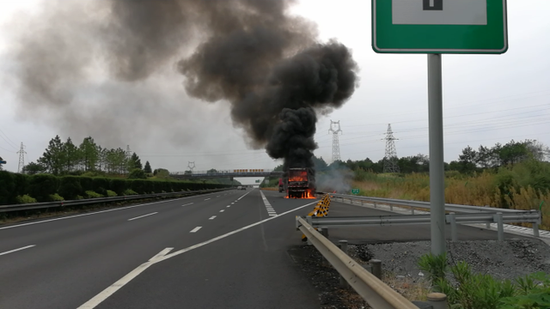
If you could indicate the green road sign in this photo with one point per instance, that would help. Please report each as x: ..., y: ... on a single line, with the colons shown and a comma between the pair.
x: 439, y: 26
x: 355, y: 191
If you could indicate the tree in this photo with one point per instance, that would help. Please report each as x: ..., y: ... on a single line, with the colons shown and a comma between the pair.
x: 34, y: 168
x: 72, y: 155
x: 134, y: 162
x: 147, y: 168
x: 90, y: 154
x: 54, y: 158
x: 1, y: 160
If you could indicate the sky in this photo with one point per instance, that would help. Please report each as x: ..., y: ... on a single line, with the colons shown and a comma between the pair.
x: 487, y: 99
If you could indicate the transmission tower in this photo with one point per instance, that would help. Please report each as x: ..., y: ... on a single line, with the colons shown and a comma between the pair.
x: 22, y: 154
x: 335, y: 140
x: 390, y: 158
x: 191, y: 165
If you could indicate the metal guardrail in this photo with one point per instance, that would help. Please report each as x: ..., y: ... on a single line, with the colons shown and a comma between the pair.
x: 423, y: 205
x: 33, y: 206
x: 532, y: 216
x: 372, y: 289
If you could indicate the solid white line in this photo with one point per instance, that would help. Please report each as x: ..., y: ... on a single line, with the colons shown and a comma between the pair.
x: 206, y: 199
x: 187, y: 204
x: 147, y: 215
x: 195, y: 229
x: 18, y: 249
x: 212, y: 218
x: 99, y: 298
x: 222, y: 210
x: 93, y: 213
x: 92, y: 303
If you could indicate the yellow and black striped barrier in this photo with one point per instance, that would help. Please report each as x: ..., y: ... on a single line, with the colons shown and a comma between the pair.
x: 320, y: 210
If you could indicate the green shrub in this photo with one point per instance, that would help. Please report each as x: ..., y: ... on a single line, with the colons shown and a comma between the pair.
x: 130, y: 192
x: 42, y: 185
x: 111, y: 193
x: 137, y: 174
x: 79, y: 197
x: 56, y: 197
x: 92, y: 194
x: 86, y: 183
x: 118, y: 185
x: 100, y: 185
x: 70, y: 187
x: 25, y: 199
x: 7, y: 186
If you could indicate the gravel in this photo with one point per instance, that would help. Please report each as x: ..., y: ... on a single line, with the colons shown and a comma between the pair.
x: 510, y: 259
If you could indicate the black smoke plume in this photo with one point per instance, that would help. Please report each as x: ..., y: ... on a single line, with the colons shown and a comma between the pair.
x: 251, y: 53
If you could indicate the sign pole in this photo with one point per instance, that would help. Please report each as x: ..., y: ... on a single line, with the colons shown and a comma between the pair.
x: 437, y: 173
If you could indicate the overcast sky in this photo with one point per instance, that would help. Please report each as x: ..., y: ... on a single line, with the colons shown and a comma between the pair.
x: 488, y: 99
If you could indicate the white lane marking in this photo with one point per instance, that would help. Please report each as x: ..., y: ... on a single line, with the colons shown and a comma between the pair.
x: 218, y: 196
x: 206, y: 199
x: 147, y: 215
x: 173, y: 254
x: 222, y: 210
x: 270, y: 211
x: 93, y: 213
x: 186, y: 204
x: 232, y: 203
x: 228, y: 206
x: 99, y: 298
x: 195, y: 229
x: 96, y: 300
x: 18, y: 249
x: 212, y: 218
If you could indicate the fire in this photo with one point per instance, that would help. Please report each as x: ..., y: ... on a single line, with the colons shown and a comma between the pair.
x: 308, y: 194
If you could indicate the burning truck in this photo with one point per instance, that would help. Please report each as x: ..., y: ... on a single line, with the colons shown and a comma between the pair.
x: 298, y: 183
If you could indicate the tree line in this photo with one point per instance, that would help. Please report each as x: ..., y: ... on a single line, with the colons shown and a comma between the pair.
x: 66, y: 158
x: 469, y: 161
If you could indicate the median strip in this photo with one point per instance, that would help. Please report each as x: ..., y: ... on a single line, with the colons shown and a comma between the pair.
x: 18, y: 249
x: 147, y: 215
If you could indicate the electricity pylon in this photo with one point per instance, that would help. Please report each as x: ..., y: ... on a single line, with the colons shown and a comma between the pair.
x: 22, y: 154
x: 390, y: 158
x: 335, y: 140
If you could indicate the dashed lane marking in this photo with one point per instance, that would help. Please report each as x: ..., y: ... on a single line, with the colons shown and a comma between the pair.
x: 163, y: 255
x: 147, y: 215
x: 212, y: 218
x: 195, y: 229
x: 186, y: 204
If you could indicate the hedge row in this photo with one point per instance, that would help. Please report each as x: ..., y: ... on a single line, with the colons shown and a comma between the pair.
x: 69, y: 187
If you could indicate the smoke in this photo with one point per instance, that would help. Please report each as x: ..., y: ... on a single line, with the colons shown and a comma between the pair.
x: 82, y: 64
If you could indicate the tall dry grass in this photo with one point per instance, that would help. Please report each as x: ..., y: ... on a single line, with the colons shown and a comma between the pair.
x: 478, y: 190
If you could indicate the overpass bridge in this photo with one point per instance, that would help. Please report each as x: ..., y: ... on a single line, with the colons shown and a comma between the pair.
x: 227, y: 174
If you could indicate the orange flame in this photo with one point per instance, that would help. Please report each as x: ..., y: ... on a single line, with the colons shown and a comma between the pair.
x: 308, y: 194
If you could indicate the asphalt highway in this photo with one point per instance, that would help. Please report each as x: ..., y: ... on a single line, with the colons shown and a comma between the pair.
x: 221, y: 250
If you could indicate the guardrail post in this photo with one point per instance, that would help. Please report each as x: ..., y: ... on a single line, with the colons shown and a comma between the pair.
x: 437, y: 300
x: 488, y: 225
x: 452, y: 218
x: 377, y: 268
x: 374, y: 204
x: 412, y: 210
x: 391, y: 207
x: 500, y: 225
x: 536, y: 229
x: 343, y: 245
